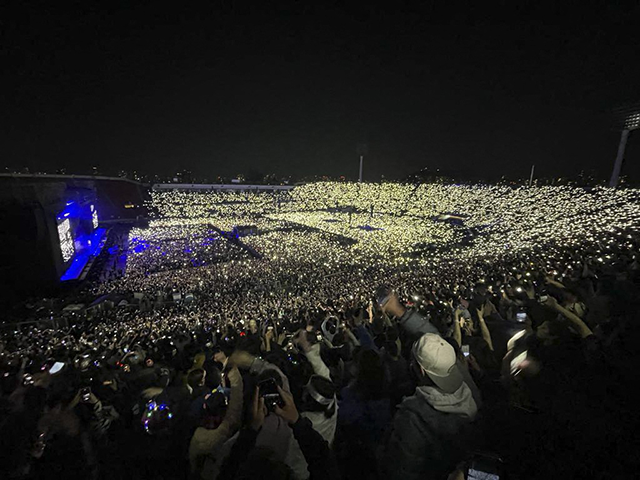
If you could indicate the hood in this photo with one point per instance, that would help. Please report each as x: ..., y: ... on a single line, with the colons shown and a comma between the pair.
x: 460, y: 402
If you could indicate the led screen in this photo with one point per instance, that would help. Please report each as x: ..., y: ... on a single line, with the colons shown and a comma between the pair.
x: 94, y: 217
x: 66, y: 240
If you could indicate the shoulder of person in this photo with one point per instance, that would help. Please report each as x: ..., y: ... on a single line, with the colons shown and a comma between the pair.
x: 414, y: 409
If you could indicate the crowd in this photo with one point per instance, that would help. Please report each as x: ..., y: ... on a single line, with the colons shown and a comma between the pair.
x: 328, y: 358
x: 164, y: 247
x: 499, y: 218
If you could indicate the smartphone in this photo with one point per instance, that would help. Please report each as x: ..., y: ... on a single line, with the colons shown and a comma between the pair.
x: 85, y: 394
x: 521, y: 317
x: 544, y: 298
x: 485, y: 467
x: 465, y: 350
x: 269, y: 391
x: 383, y: 294
x: 56, y: 367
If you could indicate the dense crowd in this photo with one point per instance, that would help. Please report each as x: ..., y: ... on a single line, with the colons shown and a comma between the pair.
x: 337, y: 351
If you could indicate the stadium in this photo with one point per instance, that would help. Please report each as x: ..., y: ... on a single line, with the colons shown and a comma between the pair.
x: 227, y: 274
x: 319, y: 241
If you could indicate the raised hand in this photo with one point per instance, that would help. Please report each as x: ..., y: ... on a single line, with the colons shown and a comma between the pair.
x: 258, y: 411
x: 289, y: 412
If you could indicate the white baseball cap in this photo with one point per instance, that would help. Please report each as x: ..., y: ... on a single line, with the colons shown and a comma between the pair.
x: 438, y: 359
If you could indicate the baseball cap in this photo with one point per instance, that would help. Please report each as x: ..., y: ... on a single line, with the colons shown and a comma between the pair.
x: 438, y: 358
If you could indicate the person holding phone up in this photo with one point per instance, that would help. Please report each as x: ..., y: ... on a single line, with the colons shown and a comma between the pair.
x: 248, y: 461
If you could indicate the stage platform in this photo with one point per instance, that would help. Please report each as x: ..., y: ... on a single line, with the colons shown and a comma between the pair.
x: 78, y: 264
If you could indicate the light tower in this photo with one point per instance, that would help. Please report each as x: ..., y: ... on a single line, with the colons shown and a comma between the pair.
x: 628, y: 119
x: 362, y: 149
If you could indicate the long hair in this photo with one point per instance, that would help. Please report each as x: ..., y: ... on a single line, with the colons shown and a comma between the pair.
x: 370, y: 379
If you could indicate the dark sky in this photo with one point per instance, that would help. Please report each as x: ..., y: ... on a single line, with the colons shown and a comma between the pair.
x: 292, y: 87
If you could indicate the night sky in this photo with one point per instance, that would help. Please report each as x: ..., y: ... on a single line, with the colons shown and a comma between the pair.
x: 292, y: 87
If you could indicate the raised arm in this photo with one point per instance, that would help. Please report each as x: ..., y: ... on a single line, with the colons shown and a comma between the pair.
x: 205, y: 441
x: 410, y: 320
x: 267, y: 339
x: 246, y: 440
x: 233, y: 416
x: 352, y: 337
x: 575, y: 320
x: 550, y: 280
x: 256, y: 366
x: 312, y: 352
x: 484, y: 329
x: 457, y: 334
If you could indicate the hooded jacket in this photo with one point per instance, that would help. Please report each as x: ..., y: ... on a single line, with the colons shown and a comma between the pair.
x: 428, y: 436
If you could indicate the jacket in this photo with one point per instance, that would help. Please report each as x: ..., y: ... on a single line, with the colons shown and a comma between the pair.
x: 429, y: 433
x: 415, y: 325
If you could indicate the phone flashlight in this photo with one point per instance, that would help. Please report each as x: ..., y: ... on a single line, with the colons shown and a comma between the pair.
x: 56, y: 368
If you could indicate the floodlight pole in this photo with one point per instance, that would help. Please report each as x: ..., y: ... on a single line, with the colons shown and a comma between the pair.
x: 360, y: 176
x: 615, y: 175
x: 533, y: 167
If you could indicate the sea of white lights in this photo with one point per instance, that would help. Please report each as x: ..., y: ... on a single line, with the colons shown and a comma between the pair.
x: 306, y: 260
x: 402, y: 215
